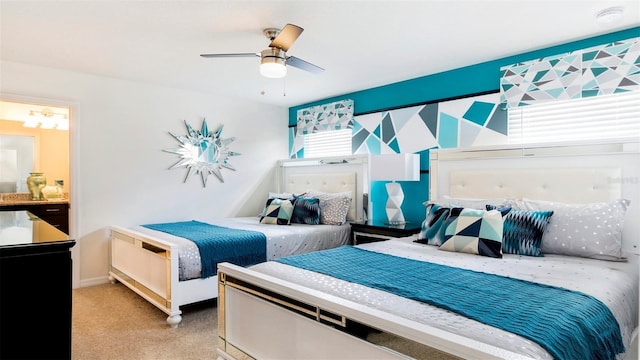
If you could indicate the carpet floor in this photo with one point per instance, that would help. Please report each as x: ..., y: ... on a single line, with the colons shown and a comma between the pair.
x: 111, y: 322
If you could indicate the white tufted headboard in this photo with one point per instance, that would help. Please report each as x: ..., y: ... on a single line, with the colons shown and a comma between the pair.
x: 569, y: 174
x: 574, y: 185
x: 329, y: 175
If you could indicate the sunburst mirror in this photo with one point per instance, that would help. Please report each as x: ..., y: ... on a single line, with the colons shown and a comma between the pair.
x: 203, y: 152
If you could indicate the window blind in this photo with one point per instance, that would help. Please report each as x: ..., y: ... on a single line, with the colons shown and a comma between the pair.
x: 327, y: 143
x: 615, y: 116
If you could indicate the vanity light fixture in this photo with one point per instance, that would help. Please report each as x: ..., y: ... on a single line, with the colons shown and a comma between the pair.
x: 46, y: 119
x: 610, y: 15
x: 31, y: 121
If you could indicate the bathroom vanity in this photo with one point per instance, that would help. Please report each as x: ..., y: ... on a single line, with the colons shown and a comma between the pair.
x: 55, y: 212
x: 35, y: 283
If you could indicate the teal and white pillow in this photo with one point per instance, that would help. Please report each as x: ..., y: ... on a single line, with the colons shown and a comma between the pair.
x: 474, y: 231
x: 523, y: 230
x: 306, y: 210
x: 432, y: 230
x: 278, y: 212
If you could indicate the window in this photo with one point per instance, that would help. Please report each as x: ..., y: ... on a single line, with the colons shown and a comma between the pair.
x: 327, y: 143
x: 604, y: 117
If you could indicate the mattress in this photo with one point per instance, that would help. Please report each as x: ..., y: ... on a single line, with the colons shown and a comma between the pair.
x: 613, y: 283
x: 282, y: 240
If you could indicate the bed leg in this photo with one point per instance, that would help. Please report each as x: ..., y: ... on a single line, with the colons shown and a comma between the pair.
x: 174, y: 320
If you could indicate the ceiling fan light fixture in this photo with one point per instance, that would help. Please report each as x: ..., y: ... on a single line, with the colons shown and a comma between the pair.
x: 272, y: 64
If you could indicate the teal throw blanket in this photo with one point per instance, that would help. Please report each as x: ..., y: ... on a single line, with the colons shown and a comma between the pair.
x: 568, y: 324
x: 219, y: 244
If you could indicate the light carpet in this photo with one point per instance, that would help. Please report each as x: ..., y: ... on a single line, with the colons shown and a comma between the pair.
x: 112, y: 322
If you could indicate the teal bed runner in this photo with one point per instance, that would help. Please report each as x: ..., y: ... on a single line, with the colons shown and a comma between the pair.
x: 218, y: 244
x: 568, y: 324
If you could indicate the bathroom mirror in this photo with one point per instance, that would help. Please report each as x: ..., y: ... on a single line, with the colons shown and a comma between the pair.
x: 16, y: 162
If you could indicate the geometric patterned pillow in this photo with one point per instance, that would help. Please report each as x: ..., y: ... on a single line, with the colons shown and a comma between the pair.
x: 274, y: 195
x: 434, y: 224
x: 475, y: 232
x: 277, y: 211
x: 306, y: 210
x: 523, y: 230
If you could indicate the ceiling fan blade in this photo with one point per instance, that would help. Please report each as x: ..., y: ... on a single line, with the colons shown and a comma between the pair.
x: 230, y: 55
x: 286, y: 37
x: 303, y: 65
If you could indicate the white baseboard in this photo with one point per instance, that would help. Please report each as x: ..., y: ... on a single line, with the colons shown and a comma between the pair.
x: 94, y: 281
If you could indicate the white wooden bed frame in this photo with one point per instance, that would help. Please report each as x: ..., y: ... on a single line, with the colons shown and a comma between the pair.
x: 250, y: 304
x: 149, y: 266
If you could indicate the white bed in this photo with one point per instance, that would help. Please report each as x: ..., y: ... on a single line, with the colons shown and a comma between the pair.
x: 304, y: 302
x: 152, y: 263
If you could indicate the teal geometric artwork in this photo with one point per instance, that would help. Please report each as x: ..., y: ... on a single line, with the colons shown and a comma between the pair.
x: 599, y: 70
x: 465, y: 122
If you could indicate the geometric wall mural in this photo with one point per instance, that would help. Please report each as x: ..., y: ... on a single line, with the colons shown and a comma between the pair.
x: 337, y: 115
x: 599, y: 70
x: 334, y: 116
x: 464, y: 122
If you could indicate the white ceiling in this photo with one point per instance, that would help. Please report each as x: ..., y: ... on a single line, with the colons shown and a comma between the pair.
x: 361, y: 44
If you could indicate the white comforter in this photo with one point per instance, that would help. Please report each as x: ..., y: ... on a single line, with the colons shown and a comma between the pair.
x: 613, y: 283
x: 282, y: 240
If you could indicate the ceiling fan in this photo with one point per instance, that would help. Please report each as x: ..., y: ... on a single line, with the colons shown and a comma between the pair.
x: 273, y: 60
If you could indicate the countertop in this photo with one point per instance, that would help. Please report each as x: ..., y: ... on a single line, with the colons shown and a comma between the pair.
x: 8, y: 199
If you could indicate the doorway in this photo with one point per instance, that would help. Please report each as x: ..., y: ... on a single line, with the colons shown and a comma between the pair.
x: 49, y: 124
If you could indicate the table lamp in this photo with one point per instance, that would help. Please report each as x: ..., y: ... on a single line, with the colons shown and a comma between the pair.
x: 395, y: 167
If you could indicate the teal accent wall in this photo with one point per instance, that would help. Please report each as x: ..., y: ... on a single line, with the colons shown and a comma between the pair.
x: 477, y: 78
x: 467, y: 80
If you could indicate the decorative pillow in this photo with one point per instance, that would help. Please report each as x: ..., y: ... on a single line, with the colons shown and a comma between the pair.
x: 277, y: 211
x: 306, y: 210
x: 432, y: 230
x: 273, y: 195
x: 522, y: 231
x: 586, y: 230
x: 475, y: 232
x: 333, y: 206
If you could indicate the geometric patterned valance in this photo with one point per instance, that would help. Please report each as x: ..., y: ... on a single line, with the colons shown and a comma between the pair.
x: 599, y: 70
x: 334, y: 116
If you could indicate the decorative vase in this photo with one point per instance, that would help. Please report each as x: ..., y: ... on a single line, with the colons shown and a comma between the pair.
x: 35, y: 182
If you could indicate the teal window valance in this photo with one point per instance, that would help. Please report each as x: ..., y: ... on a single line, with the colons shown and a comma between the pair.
x: 333, y: 116
x: 599, y: 70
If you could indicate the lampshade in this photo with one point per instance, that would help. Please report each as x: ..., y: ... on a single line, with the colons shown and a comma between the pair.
x: 272, y: 64
x: 395, y: 167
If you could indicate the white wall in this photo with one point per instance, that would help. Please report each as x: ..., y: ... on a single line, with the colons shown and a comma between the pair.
x: 119, y: 171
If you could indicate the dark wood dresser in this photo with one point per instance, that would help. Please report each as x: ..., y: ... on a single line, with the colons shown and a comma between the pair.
x: 55, y: 213
x: 35, y: 288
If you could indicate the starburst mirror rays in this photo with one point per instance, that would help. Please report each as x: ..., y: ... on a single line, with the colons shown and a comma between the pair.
x: 203, y: 152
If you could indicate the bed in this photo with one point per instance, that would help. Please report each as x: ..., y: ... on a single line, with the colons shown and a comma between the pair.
x: 321, y: 313
x: 165, y: 269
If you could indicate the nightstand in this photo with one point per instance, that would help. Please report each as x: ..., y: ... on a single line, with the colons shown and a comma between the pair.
x: 366, y: 232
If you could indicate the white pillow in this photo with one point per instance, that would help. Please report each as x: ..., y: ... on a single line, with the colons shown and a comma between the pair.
x: 472, y: 203
x: 333, y: 206
x: 586, y: 230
